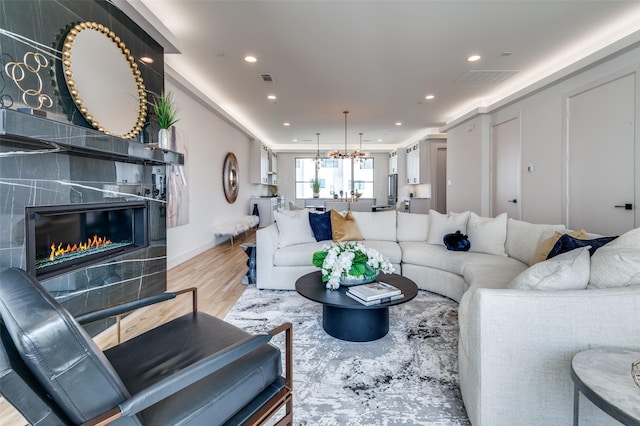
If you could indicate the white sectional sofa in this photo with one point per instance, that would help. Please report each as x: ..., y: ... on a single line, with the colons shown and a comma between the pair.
x: 515, y: 345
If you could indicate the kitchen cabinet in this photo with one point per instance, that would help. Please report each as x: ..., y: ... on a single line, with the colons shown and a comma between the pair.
x: 418, y: 158
x: 393, y: 162
x: 273, y: 168
x: 259, y: 159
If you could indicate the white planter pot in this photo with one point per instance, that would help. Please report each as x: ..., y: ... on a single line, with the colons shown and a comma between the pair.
x: 163, y: 139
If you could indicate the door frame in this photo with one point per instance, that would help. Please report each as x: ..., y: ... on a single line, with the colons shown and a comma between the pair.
x: 566, y: 131
x: 494, y: 124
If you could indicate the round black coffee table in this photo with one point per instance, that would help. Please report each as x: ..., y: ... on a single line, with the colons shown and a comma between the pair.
x: 348, y: 319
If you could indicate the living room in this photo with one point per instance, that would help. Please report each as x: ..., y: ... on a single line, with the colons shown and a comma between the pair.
x: 546, y: 115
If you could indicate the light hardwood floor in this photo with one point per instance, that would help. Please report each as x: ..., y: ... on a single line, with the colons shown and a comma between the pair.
x: 216, y: 273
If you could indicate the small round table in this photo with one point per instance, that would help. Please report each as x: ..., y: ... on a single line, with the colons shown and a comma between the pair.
x: 604, y: 377
x: 348, y: 319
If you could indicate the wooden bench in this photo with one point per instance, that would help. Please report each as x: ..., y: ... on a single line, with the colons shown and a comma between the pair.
x: 235, y: 226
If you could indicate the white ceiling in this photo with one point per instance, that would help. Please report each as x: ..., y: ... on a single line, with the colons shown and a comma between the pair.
x: 377, y: 59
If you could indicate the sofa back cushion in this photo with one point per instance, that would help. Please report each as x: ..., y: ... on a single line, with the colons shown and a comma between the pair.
x: 487, y: 235
x: 523, y: 238
x: 567, y: 271
x: 443, y: 224
x: 412, y: 226
x: 294, y: 228
x: 617, y: 264
x: 379, y: 226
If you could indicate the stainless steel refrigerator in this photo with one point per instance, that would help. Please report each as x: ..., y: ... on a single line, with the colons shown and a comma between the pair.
x: 392, y: 190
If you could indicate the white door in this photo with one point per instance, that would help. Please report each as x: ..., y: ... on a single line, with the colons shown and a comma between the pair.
x: 601, y: 157
x: 505, y: 168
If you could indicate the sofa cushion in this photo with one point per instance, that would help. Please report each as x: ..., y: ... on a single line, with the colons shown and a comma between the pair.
x: 377, y: 225
x: 413, y: 226
x: 567, y: 243
x: 321, y: 225
x: 487, y: 235
x: 435, y: 256
x: 297, y: 255
x: 389, y: 249
x: 567, y: 271
x: 617, y: 264
x: 545, y: 246
x: 443, y: 224
x: 523, y: 238
x: 294, y: 228
x: 491, y: 276
x: 345, y: 228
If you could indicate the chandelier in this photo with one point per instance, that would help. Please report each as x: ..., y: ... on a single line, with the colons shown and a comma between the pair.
x: 336, y: 153
x: 317, y: 159
x: 358, y: 154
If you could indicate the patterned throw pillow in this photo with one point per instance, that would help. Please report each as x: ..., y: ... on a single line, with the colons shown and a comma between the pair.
x: 567, y: 243
x: 321, y: 225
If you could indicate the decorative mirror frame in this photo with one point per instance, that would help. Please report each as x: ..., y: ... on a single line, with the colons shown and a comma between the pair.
x: 71, y: 84
x: 230, y: 178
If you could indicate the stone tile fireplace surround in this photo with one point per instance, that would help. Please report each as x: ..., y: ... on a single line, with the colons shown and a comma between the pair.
x: 60, y: 161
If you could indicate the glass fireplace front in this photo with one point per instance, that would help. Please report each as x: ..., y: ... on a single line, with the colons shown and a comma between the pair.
x: 63, y: 238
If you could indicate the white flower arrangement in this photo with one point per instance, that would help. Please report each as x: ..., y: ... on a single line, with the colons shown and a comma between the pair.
x: 349, y: 258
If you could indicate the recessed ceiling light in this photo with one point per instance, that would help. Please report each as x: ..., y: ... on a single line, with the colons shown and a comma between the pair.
x: 250, y: 59
x: 286, y: 123
x: 272, y: 97
x: 429, y: 97
x: 398, y: 123
x: 146, y: 59
x: 474, y: 58
x: 380, y: 140
x: 294, y: 140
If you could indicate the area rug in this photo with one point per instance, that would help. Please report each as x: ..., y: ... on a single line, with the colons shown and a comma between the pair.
x: 410, y: 376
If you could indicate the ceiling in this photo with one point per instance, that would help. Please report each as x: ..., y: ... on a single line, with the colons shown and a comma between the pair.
x: 376, y: 59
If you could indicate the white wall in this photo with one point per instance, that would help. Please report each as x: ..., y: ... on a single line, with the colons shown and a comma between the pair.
x: 543, y: 139
x: 209, y: 139
x: 467, y: 166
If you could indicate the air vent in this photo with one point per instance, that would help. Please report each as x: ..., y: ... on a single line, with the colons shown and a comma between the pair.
x: 485, y: 76
x: 267, y: 78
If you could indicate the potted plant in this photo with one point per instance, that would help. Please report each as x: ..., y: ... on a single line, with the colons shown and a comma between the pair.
x: 316, y: 188
x: 166, y: 115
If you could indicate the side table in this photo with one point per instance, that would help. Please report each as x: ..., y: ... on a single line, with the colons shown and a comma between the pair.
x: 604, y: 377
x: 250, y: 250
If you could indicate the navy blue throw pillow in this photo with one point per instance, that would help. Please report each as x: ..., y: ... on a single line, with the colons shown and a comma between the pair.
x: 321, y: 225
x: 567, y: 243
x: 457, y: 242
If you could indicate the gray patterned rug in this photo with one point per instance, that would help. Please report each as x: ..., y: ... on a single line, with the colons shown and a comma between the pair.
x: 408, y: 377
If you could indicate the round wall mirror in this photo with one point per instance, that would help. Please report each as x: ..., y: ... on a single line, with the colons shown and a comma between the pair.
x: 230, y: 178
x: 104, y: 80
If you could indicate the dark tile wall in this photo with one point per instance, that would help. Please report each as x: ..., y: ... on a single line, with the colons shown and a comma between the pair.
x: 37, y: 174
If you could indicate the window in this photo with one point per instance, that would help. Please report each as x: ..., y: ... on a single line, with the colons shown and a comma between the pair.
x: 335, y: 176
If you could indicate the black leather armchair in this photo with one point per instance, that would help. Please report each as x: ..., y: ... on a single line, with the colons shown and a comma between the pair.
x: 195, y: 369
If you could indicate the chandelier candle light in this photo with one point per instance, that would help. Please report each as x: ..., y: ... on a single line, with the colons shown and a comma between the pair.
x: 358, y: 154
x: 317, y: 159
x: 350, y: 263
x: 336, y: 153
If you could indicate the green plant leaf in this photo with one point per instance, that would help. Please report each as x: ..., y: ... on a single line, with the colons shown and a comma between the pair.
x: 357, y: 269
x: 318, y: 258
x: 165, y: 110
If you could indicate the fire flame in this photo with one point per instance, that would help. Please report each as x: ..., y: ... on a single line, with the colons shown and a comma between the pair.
x: 91, y: 243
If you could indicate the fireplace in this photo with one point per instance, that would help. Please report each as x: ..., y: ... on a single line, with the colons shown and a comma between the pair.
x: 62, y: 238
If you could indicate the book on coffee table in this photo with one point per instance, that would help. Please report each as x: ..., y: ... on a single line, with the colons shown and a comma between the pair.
x: 376, y: 301
x: 373, y: 291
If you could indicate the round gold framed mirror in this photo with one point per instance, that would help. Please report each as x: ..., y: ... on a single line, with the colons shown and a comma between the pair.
x: 104, y: 80
x: 230, y: 178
